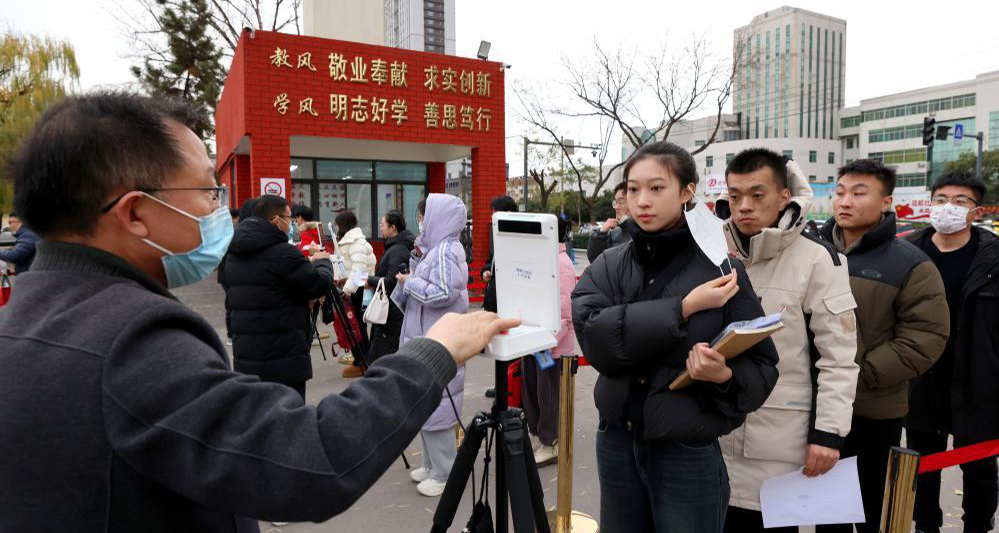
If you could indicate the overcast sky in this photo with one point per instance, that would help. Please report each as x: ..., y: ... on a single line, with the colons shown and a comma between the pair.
x: 892, y: 46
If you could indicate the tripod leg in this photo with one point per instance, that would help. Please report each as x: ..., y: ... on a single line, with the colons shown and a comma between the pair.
x: 511, y: 439
x: 536, y: 490
x: 460, y: 472
x: 315, y: 329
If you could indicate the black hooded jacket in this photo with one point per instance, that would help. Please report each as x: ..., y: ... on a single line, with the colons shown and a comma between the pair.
x: 269, y: 284
x: 385, y: 337
x: 959, y: 393
x: 640, y: 346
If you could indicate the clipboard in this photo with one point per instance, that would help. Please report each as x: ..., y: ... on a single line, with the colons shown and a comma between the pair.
x: 736, y: 338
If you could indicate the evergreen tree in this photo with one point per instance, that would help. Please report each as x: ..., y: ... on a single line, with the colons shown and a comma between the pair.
x: 191, y: 70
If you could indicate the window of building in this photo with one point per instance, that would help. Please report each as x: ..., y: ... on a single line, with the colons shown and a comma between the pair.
x: 709, y: 161
x: 832, y: 158
x: 813, y: 156
x: 849, y: 143
x: 699, y: 142
x: 788, y: 154
x: 729, y: 158
x: 993, y: 130
x: 829, y: 179
x: 811, y: 178
x: 368, y: 188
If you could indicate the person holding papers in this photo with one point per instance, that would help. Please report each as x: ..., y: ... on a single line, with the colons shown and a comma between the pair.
x: 807, y: 417
x: 644, y: 313
x: 901, y: 314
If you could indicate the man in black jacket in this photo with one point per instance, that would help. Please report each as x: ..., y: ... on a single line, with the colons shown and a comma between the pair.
x: 118, y: 409
x: 23, y: 252
x: 399, y: 243
x: 269, y: 284
x: 614, y: 231
x: 958, y: 395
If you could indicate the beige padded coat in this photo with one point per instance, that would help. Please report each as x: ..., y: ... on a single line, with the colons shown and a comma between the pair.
x: 813, y: 400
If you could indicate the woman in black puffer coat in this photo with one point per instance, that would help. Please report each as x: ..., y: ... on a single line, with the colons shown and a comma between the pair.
x: 399, y: 243
x: 643, y: 313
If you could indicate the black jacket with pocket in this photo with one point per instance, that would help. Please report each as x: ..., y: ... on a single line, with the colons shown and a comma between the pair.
x: 269, y: 284
x: 960, y: 394
x: 385, y: 337
x: 640, y: 347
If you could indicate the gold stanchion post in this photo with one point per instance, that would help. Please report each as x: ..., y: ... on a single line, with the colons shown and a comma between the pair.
x: 900, y: 491
x: 563, y: 519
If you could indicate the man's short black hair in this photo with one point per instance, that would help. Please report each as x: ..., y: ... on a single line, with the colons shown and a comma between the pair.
x: 871, y: 167
x: 621, y: 187
x: 12, y: 215
x: 269, y: 205
x: 753, y: 159
x: 87, y: 147
x: 962, y: 179
x: 305, y: 212
x: 394, y: 218
x: 504, y: 204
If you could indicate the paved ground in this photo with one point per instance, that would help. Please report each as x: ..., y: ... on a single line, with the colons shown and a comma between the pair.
x: 393, y: 505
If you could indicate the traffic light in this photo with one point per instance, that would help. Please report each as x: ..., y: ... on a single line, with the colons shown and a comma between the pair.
x: 928, y: 126
x: 942, y: 132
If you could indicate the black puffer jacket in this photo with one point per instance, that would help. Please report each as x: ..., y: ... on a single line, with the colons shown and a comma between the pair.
x: 640, y: 347
x: 269, y: 284
x: 385, y: 337
x: 959, y: 393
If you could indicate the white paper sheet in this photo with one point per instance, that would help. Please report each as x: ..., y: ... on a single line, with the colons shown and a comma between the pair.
x: 796, y: 500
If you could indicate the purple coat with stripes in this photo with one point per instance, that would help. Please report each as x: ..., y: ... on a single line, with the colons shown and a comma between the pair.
x: 439, y: 285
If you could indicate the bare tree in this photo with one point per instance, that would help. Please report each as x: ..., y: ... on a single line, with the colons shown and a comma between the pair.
x: 641, y: 95
x: 545, y: 188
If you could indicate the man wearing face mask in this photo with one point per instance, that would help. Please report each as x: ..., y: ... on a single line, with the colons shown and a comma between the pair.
x: 958, y: 396
x: 273, y: 341
x: 118, y: 408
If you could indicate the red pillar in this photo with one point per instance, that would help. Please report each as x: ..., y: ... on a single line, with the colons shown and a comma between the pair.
x: 241, y: 188
x: 436, y: 177
x: 270, y: 157
x: 488, y: 182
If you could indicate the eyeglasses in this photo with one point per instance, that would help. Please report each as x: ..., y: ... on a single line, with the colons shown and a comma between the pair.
x: 959, y: 200
x: 217, y: 193
x: 620, y: 203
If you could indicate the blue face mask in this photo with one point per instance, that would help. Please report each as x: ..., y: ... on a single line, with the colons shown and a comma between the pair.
x: 193, y: 266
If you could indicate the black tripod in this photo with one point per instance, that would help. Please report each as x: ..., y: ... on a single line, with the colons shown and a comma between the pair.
x: 516, y: 472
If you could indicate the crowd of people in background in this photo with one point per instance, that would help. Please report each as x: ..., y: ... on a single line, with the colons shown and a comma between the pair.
x: 881, y: 335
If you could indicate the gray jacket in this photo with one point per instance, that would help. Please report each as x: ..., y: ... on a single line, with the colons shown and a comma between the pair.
x: 119, y: 412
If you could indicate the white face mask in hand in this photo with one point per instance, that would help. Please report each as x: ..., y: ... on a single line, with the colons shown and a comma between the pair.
x: 708, y: 233
x: 948, y: 218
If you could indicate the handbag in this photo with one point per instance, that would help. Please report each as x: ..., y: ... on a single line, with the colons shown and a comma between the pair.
x: 5, y: 288
x: 378, y: 308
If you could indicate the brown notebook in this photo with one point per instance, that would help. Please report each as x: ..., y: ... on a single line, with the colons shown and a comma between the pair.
x: 735, y: 339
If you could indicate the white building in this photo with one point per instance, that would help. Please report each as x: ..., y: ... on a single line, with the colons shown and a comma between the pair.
x: 426, y: 25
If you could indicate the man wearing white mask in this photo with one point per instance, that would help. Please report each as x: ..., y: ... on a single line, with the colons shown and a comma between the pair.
x: 958, y: 396
x: 806, y: 419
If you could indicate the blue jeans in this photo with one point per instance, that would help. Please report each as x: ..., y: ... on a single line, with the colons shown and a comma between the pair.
x: 659, y: 486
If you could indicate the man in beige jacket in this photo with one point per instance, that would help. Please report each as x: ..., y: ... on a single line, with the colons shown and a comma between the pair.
x: 807, y: 417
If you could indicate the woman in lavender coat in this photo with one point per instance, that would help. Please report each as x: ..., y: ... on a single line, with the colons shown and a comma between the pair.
x: 437, y: 285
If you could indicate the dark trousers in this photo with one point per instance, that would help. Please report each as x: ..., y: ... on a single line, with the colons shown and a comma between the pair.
x: 981, y: 494
x: 870, y: 441
x: 659, y: 486
x: 739, y: 520
x: 356, y: 301
x: 299, y: 388
x: 540, y: 398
